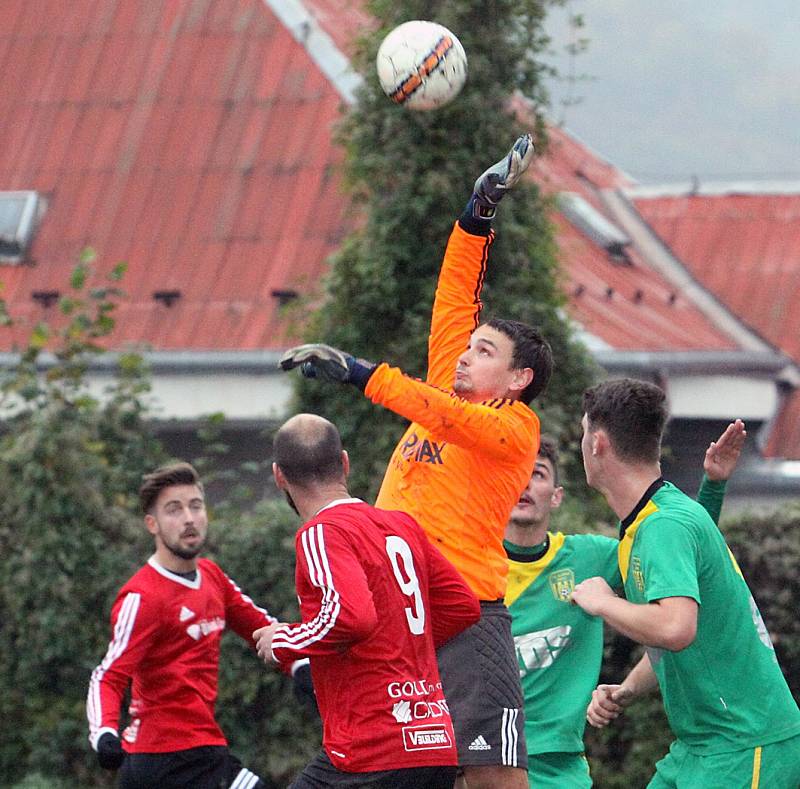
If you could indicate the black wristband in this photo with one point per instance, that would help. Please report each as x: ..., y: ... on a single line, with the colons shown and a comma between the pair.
x: 475, y: 226
x: 360, y: 373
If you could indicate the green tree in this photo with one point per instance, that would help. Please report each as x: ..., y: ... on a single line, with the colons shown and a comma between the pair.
x: 69, y: 467
x: 408, y: 176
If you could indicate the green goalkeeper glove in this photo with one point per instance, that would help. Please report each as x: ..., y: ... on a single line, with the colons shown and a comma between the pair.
x: 492, y: 185
x: 317, y: 360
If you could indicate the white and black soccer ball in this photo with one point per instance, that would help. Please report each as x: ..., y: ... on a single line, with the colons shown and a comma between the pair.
x: 421, y: 65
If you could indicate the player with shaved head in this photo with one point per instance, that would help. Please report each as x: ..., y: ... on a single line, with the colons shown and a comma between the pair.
x: 376, y: 599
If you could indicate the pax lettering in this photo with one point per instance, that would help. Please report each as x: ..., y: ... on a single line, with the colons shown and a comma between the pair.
x: 424, y: 451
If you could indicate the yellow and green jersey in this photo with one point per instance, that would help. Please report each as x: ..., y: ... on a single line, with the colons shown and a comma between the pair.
x: 559, y: 647
x: 725, y: 691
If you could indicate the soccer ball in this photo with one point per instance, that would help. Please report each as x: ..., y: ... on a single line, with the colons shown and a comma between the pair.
x: 421, y: 65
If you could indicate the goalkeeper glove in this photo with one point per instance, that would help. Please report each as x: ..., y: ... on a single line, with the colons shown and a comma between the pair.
x: 109, y: 751
x: 492, y: 185
x: 317, y: 360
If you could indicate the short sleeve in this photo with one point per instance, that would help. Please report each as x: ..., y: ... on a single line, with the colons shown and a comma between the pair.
x: 669, y: 556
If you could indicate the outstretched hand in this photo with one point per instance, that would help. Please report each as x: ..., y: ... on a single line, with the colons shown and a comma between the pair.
x: 723, y: 454
x: 317, y: 360
x: 492, y: 185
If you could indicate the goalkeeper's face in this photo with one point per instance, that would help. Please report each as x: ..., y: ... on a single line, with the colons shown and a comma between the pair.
x: 484, y: 370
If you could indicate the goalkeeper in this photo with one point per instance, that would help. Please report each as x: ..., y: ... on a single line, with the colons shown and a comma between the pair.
x: 460, y: 466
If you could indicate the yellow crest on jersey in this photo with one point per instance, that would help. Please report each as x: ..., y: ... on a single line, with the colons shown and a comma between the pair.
x: 561, y: 584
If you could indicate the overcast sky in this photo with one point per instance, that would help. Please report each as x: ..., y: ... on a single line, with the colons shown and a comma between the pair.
x: 687, y: 87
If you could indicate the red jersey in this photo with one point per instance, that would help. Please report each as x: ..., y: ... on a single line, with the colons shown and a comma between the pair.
x: 166, y: 638
x: 376, y: 598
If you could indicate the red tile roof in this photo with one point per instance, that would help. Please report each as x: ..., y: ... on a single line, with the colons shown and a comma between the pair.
x: 342, y: 20
x: 175, y: 135
x: 629, y: 307
x: 744, y: 246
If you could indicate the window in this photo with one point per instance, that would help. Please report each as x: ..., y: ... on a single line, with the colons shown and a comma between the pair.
x: 19, y: 212
x: 584, y: 216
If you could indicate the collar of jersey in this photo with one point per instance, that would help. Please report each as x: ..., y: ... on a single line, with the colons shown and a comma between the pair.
x: 337, y: 502
x: 530, y: 571
x: 631, y: 524
x: 640, y: 505
x: 172, y: 576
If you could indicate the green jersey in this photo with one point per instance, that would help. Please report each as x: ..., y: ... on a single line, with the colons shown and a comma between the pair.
x: 725, y: 691
x: 559, y: 647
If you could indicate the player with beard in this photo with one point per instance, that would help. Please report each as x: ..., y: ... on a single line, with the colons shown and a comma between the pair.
x: 376, y: 599
x: 167, y: 622
x: 559, y: 647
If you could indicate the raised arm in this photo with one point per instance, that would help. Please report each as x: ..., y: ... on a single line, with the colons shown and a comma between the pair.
x: 457, y: 305
x: 720, y: 461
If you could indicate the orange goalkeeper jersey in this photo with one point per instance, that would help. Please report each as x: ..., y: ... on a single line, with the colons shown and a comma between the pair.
x: 460, y: 467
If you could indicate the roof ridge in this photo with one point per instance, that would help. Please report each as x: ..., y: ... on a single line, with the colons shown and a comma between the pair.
x: 319, y: 46
x: 661, y: 258
x: 714, y: 189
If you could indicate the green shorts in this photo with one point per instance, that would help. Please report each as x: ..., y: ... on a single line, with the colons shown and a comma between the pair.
x: 773, y: 766
x: 558, y: 771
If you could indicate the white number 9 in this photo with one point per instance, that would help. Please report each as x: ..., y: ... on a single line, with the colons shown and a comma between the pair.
x: 408, y: 583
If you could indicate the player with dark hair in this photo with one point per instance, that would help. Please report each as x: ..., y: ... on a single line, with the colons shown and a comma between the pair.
x: 726, y: 699
x: 559, y: 647
x: 167, y: 621
x: 461, y: 465
x: 376, y: 598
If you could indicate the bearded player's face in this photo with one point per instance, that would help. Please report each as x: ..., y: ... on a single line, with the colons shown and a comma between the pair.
x: 180, y: 521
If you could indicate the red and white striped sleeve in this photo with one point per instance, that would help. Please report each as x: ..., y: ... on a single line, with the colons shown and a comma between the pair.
x: 336, y: 603
x: 132, y: 623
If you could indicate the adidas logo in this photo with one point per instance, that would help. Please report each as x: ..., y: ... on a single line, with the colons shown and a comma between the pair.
x: 479, y: 744
x: 186, y: 613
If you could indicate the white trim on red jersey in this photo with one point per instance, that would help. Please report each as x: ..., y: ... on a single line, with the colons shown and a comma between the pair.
x: 178, y: 579
x: 300, y: 636
x: 122, y: 635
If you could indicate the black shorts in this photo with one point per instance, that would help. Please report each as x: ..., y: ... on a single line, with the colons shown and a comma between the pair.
x: 207, y: 767
x: 480, y: 677
x: 320, y: 773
